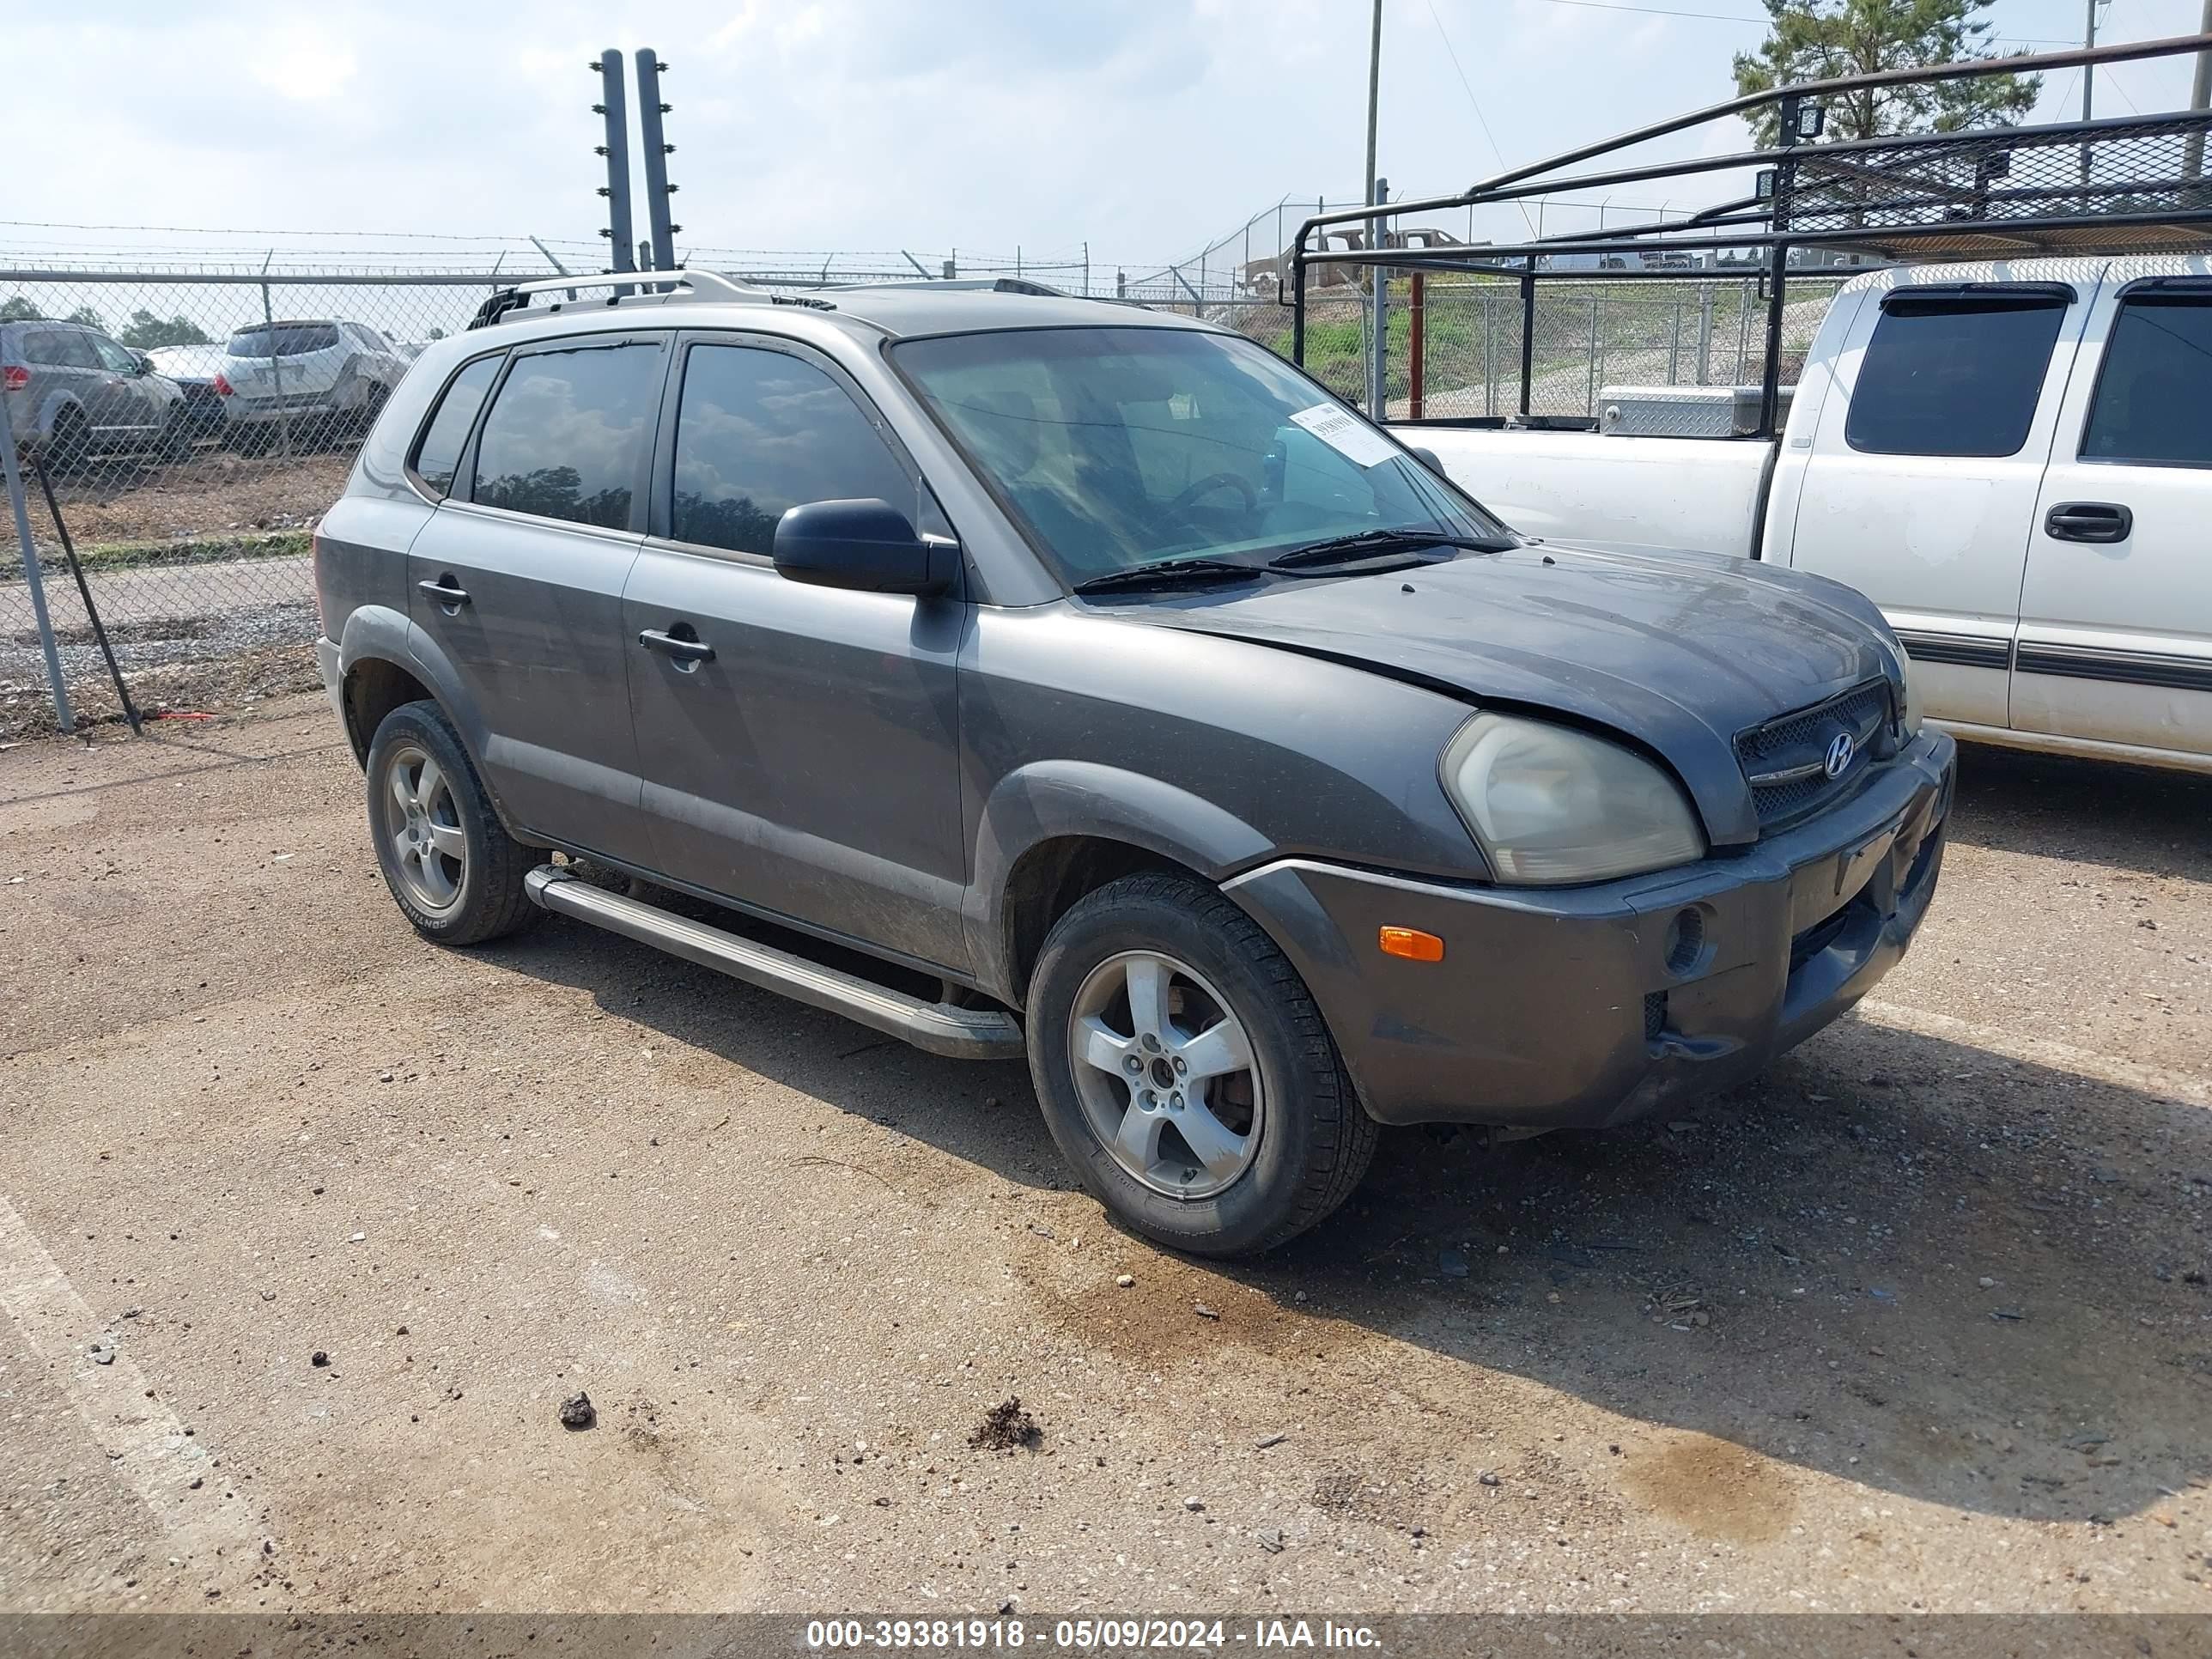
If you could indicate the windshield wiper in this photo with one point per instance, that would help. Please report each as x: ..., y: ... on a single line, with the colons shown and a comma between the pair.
x: 1366, y: 544
x: 1167, y: 573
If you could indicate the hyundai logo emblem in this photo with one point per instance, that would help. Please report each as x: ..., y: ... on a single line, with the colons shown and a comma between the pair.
x: 1840, y: 750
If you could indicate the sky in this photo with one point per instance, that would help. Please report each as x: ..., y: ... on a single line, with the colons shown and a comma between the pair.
x: 1139, y: 130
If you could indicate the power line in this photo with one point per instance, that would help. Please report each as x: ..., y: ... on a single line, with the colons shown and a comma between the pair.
x: 1664, y: 11
x: 1476, y: 106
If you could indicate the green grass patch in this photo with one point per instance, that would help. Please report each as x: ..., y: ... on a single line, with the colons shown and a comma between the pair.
x: 198, y: 549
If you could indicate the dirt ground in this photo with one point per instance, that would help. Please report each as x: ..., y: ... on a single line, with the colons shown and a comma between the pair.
x: 216, y: 494
x: 307, y: 1230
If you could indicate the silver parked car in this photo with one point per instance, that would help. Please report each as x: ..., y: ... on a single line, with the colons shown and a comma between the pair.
x: 320, y: 377
x: 75, y: 393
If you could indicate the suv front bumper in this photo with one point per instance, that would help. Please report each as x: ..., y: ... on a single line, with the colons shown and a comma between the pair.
x: 1583, y: 1006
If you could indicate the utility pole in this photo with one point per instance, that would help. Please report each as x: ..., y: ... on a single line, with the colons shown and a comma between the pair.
x: 1377, y: 281
x: 2088, y: 80
x: 2200, y: 99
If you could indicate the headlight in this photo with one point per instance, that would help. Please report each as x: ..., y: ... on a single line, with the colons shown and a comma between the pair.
x: 1550, y: 804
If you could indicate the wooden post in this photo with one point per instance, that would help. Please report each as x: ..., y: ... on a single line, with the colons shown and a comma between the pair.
x: 1415, y: 375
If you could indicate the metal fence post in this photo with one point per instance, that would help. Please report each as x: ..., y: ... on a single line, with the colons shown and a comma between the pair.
x: 1674, y: 348
x: 1590, y: 400
x: 615, y: 107
x: 1378, y: 347
x: 1705, y: 333
x: 1743, y: 330
x: 651, y: 140
x: 275, y: 366
x: 1489, y: 349
x: 32, y: 577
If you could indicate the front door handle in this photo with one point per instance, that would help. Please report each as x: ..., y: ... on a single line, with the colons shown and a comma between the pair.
x: 2090, y: 521
x: 673, y: 645
x: 448, y: 591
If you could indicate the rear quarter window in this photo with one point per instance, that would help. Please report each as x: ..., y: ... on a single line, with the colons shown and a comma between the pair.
x: 1953, y: 376
x: 437, y: 451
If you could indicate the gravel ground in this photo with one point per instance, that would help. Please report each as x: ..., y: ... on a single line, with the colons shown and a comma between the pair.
x: 1917, y: 1321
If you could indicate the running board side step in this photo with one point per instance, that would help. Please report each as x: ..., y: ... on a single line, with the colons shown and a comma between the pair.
x: 937, y: 1028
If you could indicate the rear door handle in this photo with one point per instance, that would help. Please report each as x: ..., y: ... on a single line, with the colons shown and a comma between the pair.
x: 683, y: 650
x: 2090, y: 521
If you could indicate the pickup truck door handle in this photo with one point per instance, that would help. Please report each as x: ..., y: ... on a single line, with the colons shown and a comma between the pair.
x: 448, y: 591
x: 2090, y: 521
x: 683, y: 650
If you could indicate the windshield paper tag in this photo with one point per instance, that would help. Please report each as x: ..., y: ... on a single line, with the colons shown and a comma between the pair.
x: 1347, y: 435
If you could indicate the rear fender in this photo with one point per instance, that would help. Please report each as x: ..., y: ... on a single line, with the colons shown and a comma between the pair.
x: 379, y: 633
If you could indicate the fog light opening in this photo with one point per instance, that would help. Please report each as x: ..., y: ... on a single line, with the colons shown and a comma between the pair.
x: 1686, y: 940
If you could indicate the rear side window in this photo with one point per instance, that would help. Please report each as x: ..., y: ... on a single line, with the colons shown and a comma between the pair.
x: 285, y: 340
x: 2154, y: 402
x: 760, y: 432
x: 438, y: 456
x: 564, y: 437
x: 64, y: 347
x: 1953, y: 376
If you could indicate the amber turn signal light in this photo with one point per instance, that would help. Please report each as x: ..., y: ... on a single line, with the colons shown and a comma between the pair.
x: 1411, y: 943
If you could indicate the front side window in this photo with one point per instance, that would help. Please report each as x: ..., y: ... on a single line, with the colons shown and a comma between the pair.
x: 563, y: 438
x: 438, y: 456
x: 114, y: 356
x: 2154, y: 402
x: 759, y: 432
x: 1122, y: 446
x: 1953, y: 375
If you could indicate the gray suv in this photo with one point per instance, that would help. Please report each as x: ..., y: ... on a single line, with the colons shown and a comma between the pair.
x: 1028, y: 675
x: 74, y: 392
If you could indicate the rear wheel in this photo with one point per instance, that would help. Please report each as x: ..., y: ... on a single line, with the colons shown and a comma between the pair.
x: 1186, y: 1072
x: 69, y: 449
x: 453, y: 870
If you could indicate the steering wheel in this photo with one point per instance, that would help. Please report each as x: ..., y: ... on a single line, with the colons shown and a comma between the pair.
x: 1198, y: 492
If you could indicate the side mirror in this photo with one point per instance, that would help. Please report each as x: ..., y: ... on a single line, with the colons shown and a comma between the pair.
x: 1427, y: 457
x: 145, y: 363
x: 867, y: 546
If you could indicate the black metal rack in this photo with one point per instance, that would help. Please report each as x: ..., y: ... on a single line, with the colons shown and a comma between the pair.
x: 2134, y: 185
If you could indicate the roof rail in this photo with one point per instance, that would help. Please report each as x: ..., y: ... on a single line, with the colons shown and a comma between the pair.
x: 703, y: 284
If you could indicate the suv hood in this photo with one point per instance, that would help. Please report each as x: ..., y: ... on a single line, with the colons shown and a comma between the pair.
x: 1676, y: 652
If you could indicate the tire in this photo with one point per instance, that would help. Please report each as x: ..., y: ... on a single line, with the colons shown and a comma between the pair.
x: 454, y: 871
x: 69, y: 447
x: 1288, y: 1138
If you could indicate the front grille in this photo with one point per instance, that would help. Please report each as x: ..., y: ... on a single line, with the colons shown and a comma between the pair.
x: 1785, y: 761
x: 1655, y: 1015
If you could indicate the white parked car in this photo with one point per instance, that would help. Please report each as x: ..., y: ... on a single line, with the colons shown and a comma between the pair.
x: 2012, y: 459
x: 319, y: 378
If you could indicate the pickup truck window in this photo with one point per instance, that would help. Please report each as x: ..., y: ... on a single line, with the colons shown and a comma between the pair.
x: 759, y: 432
x: 2154, y: 402
x: 563, y: 437
x: 1120, y: 446
x: 1953, y: 376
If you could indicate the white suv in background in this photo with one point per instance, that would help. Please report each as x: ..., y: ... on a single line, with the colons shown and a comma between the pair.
x: 325, y: 379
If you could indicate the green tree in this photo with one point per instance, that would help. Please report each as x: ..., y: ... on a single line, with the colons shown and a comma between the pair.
x: 17, y: 309
x: 146, y: 331
x: 1817, y: 39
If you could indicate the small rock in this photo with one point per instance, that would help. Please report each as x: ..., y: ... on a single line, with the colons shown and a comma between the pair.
x: 1203, y: 1311
x: 1040, y: 1229
x: 1488, y: 1477
x: 1192, y: 1504
x: 1270, y: 1539
x: 356, y: 1238
x: 318, y: 1359
x: 1681, y: 1126
x: 384, y: 1077
x: 1265, y: 1440
x: 1986, y: 1282
x: 1701, y: 1319
x: 1301, y: 1296
x: 1451, y: 1264
x: 103, y: 1355
x: 578, y: 1412
x: 268, y: 1296
x: 402, y: 1331
x: 1125, y: 1280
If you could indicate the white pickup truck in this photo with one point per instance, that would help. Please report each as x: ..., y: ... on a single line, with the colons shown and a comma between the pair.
x: 2013, y: 459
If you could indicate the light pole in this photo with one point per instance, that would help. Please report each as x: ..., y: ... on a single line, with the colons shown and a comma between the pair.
x: 1377, y: 281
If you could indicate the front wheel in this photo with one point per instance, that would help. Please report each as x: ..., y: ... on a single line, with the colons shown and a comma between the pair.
x: 453, y: 870
x: 1186, y: 1072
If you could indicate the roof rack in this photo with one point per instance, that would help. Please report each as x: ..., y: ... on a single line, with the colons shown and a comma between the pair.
x: 654, y: 284
x: 2136, y: 184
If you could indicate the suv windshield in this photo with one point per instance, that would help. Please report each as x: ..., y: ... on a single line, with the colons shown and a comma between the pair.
x: 285, y: 340
x: 1123, y: 447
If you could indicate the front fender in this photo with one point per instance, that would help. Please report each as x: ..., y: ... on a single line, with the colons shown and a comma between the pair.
x: 1049, y: 800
